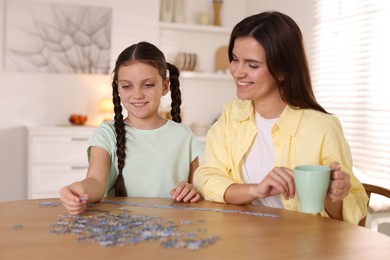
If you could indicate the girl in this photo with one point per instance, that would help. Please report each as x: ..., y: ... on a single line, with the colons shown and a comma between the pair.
x: 277, y: 125
x: 144, y: 154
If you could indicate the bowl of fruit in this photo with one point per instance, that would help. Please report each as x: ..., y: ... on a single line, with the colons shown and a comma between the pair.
x: 78, y: 119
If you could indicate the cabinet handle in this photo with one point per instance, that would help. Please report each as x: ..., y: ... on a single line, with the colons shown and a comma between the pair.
x: 78, y: 139
x: 79, y: 167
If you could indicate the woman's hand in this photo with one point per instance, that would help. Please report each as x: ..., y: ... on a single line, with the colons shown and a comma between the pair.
x: 338, y: 189
x: 339, y: 185
x: 74, y: 198
x: 279, y: 180
x: 185, y: 192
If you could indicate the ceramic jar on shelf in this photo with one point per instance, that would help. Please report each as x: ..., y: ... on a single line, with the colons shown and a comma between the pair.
x: 173, y: 11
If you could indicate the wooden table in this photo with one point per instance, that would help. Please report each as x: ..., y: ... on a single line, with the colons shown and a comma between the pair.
x: 25, y: 234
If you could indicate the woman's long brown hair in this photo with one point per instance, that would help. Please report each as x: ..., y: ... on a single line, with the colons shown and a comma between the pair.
x: 282, y: 42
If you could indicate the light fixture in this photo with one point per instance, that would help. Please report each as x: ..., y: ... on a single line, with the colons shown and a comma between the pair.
x: 106, y: 108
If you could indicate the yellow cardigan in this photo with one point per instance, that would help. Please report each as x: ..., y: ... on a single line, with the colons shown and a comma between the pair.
x: 300, y: 136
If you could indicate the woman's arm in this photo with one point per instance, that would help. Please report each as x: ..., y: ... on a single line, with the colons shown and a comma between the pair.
x: 339, y: 187
x: 346, y: 198
x: 279, y: 180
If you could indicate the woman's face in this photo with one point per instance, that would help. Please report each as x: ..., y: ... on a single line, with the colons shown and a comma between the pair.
x: 250, y: 72
x: 140, y: 87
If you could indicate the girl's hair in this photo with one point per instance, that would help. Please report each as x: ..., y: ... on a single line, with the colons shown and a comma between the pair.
x: 282, y: 41
x: 149, y: 54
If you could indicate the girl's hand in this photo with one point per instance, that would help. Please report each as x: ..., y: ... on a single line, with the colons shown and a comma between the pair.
x: 279, y: 180
x: 185, y: 192
x: 74, y: 198
x: 339, y: 185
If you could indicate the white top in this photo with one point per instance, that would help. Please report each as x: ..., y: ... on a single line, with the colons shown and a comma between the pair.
x: 156, y: 160
x: 261, y: 159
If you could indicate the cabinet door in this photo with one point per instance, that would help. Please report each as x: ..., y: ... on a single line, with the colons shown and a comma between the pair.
x: 46, y: 180
x: 60, y: 149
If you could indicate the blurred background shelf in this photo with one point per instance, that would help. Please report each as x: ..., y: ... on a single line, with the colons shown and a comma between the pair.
x: 194, y: 27
x: 203, y: 75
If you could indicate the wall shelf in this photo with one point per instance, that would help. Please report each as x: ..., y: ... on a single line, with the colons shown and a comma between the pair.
x: 205, y: 89
x: 194, y: 27
x: 202, y: 75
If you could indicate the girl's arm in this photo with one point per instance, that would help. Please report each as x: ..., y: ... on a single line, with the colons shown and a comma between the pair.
x: 76, y: 195
x: 185, y: 191
x: 98, y: 170
x: 193, y: 166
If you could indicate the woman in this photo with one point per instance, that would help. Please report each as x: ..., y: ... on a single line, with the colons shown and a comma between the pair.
x: 276, y: 125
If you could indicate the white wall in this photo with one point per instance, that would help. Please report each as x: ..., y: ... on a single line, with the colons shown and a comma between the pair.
x: 48, y: 99
x: 28, y: 99
x: 299, y: 10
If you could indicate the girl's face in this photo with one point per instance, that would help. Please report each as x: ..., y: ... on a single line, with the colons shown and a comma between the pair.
x: 250, y: 72
x: 140, y: 88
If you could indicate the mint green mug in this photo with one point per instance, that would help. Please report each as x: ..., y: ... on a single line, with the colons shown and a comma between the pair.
x: 311, y: 184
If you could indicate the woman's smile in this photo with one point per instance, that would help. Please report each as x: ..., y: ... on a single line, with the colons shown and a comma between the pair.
x: 244, y: 83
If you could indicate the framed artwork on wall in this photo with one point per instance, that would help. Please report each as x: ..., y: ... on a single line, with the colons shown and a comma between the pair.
x: 57, y: 38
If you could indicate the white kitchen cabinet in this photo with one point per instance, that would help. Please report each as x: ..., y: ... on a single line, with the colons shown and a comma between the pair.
x: 57, y: 156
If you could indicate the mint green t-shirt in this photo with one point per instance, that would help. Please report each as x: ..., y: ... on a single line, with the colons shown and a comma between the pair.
x: 156, y: 160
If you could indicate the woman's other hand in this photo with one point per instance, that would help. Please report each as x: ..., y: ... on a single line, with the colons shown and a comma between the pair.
x: 279, y: 180
x: 339, y: 185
